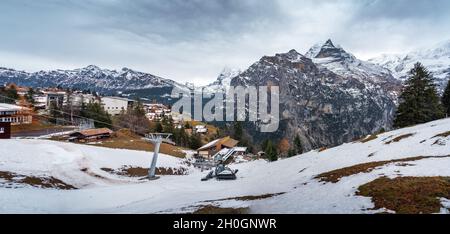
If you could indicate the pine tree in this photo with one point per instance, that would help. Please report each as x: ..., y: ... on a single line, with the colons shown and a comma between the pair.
x: 55, y: 112
x: 446, y: 99
x: 264, y: 144
x: 271, y: 151
x: 238, y: 131
x: 291, y: 153
x: 95, y: 111
x: 29, y: 96
x: 9, y: 94
x: 195, y: 141
x: 158, y: 127
x: 419, y: 101
x: 298, y: 148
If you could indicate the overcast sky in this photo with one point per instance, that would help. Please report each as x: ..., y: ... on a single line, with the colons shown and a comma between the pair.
x: 193, y: 40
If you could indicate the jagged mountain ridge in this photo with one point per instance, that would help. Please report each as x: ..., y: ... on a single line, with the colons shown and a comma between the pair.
x: 90, y: 77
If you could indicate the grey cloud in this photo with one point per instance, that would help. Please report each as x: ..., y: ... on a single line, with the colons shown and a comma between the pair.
x: 402, y: 9
x: 180, y: 20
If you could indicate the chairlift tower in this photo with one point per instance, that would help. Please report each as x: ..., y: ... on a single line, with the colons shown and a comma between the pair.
x: 156, y: 139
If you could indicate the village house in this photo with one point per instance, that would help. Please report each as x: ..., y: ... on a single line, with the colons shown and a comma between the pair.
x: 200, y: 129
x: 78, y: 99
x: 22, y: 91
x: 115, y: 105
x: 156, y: 111
x: 210, y: 149
x: 16, y: 115
x: 90, y: 134
x: 54, y: 96
x: 40, y: 101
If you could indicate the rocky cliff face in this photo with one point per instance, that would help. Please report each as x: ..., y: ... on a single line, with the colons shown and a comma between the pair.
x: 324, y: 107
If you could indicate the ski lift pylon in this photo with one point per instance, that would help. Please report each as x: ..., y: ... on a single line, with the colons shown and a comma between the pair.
x: 156, y: 139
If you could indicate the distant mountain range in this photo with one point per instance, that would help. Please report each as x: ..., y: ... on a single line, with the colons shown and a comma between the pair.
x: 435, y: 58
x: 88, y: 78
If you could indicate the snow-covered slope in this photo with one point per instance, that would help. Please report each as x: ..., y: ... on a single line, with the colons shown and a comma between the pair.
x: 77, y: 165
x: 436, y: 58
x: 90, y: 77
x: 295, y: 177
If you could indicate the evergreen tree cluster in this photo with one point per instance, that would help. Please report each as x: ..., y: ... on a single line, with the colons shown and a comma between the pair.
x: 270, y: 150
x: 297, y: 147
x: 8, y: 94
x: 446, y: 100
x: 97, y: 113
x: 419, y: 101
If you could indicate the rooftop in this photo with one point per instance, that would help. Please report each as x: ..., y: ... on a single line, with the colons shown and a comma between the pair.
x: 118, y: 98
x: 95, y: 131
x: 226, y: 141
x: 10, y: 107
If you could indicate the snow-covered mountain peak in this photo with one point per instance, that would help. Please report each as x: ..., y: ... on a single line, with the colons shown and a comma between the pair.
x: 223, y: 80
x: 317, y: 48
x: 228, y: 72
x: 292, y: 56
x: 329, y: 44
x: 92, y: 68
x: 343, y: 63
x: 314, y: 50
x: 293, y: 52
x: 330, y: 51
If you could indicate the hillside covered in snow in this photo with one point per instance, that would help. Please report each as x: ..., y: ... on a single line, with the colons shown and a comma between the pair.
x: 42, y: 176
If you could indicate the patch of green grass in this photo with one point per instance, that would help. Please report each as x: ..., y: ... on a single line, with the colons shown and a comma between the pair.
x: 407, y: 195
x: 336, y: 175
x: 38, y: 182
x: 213, y: 209
x: 210, y: 209
x: 249, y: 198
